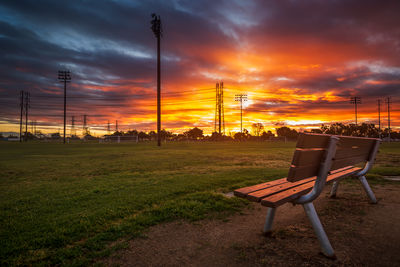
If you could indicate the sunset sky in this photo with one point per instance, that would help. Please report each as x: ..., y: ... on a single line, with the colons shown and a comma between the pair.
x: 299, y: 62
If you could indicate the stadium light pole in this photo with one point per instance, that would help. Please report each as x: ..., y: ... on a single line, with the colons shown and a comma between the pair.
x: 65, y: 77
x: 157, y: 30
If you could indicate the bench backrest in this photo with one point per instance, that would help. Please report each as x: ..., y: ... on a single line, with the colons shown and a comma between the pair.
x: 311, y: 148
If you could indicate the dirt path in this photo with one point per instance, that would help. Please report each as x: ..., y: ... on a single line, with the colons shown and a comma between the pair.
x: 361, y: 234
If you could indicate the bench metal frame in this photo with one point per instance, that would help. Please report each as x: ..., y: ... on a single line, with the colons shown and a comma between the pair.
x: 307, y: 200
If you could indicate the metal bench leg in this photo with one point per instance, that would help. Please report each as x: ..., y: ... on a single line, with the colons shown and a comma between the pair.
x: 367, y: 189
x: 319, y: 230
x: 334, y: 189
x: 269, y: 220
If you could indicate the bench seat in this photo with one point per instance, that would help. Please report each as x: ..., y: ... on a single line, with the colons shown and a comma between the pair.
x: 278, y: 192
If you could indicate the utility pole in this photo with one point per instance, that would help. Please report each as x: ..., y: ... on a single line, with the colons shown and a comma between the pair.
x: 355, y: 100
x: 108, y: 128
x: 21, y: 103
x: 379, y: 118
x: 85, y: 128
x: 219, y: 108
x: 73, y: 133
x: 241, y: 98
x: 116, y: 125
x: 388, y: 101
x: 157, y: 30
x: 27, y: 101
x: 65, y: 77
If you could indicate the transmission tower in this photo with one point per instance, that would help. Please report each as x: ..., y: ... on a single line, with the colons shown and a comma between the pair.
x: 21, y: 104
x: 219, y: 108
x: 388, y: 102
x: 355, y: 100
x: 65, y: 77
x: 85, y: 127
x: 27, y: 106
x: 241, y: 98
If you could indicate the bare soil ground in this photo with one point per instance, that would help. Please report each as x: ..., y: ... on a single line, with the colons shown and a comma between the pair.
x: 361, y: 234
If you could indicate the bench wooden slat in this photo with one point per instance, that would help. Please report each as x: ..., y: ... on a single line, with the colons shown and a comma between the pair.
x: 258, y: 195
x: 280, y: 198
x: 307, y: 156
x: 312, y: 141
x: 263, y: 191
x: 242, y: 192
x: 302, y: 172
x: 348, y: 142
x: 346, y: 152
x: 336, y: 164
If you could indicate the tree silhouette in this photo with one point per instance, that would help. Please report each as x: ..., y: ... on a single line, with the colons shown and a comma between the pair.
x: 194, y: 133
x: 257, y: 128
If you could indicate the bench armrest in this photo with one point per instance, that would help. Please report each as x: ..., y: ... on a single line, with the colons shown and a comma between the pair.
x: 323, y: 171
x: 371, y: 159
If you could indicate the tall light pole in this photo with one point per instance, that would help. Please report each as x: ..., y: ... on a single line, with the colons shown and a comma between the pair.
x: 157, y: 30
x: 241, y: 98
x: 355, y: 100
x: 65, y: 77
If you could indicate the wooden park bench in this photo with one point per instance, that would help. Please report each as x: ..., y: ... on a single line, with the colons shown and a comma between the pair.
x: 318, y: 159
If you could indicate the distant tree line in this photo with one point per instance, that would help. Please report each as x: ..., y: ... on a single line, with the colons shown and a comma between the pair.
x: 197, y: 134
x: 361, y: 130
x: 258, y: 133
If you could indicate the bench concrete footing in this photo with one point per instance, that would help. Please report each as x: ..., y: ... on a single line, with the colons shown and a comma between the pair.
x: 326, y: 247
x: 269, y: 220
x: 334, y: 189
x: 367, y: 189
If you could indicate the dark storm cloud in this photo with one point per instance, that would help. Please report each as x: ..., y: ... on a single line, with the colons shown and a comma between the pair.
x: 370, y: 24
x: 109, y: 47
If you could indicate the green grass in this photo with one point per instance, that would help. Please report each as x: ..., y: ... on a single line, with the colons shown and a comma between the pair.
x: 69, y: 204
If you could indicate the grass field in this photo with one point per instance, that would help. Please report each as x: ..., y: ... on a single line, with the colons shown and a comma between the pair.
x: 72, y: 204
